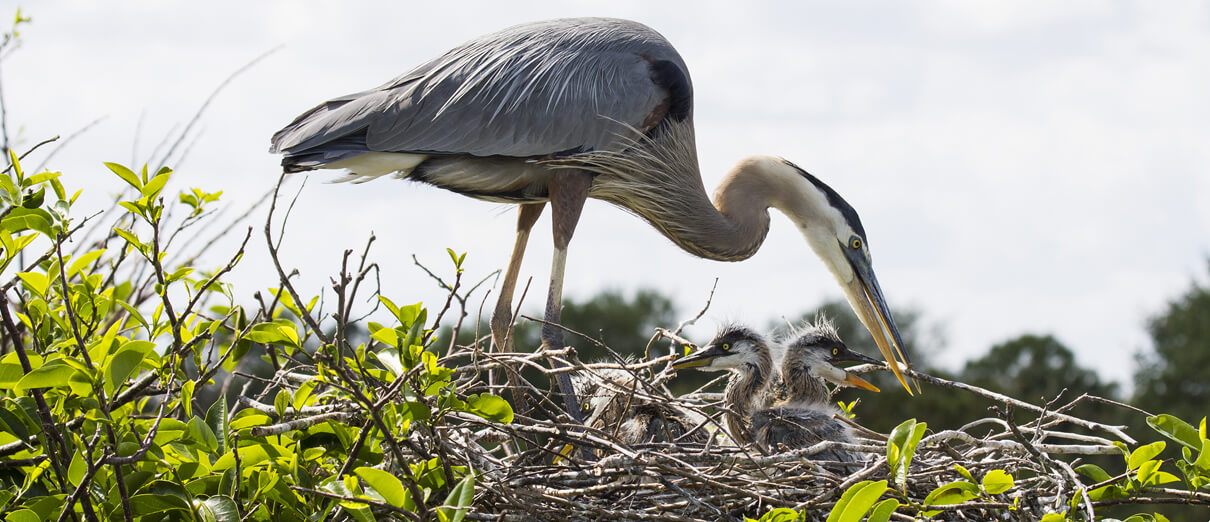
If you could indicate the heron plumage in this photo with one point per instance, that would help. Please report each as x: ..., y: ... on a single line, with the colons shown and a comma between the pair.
x: 528, y: 91
x: 562, y: 110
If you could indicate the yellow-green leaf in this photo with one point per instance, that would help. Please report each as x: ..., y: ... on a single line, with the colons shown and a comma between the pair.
x: 187, y: 397
x: 35, y: 282
x: 280, y: 402
x: 997, y: 481
x: 126, y: 174
x: 490, y: 407
x: 79, y: 263
x: 882, y: 511
x: 1143, y: 454
x: 952, y: 493
x: 77, y: 469
x: 154, y: 186
x: 384, y: 483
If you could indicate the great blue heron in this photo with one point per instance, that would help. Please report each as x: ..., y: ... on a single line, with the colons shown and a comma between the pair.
x: 616, y: 402
x: 805, y: 415
x: 749, y: 358
x: 564, y: 110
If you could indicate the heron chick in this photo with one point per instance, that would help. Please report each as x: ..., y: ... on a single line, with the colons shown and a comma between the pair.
x: 748, y: 356
x: 805, y: 414
x: 615, y: 402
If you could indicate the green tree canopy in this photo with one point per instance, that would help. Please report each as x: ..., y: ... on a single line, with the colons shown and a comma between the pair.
x: 1172, y: 378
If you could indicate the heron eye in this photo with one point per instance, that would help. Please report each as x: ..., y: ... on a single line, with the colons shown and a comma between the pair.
x: 726, y: 347
x: 855, y: 243
x: 835, y: 351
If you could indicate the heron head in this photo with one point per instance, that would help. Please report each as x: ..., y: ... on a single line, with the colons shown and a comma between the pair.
x: 818, y: 350
x: 834, y: 231
x: 734, y: 348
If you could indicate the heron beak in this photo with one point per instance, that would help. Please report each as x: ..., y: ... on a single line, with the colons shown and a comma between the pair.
x: 700, y: 358
x: 865, y: 296
x: 841, y: 377
x: 851, y: 379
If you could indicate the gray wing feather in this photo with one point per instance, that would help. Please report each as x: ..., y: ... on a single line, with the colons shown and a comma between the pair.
x: 529, y: 90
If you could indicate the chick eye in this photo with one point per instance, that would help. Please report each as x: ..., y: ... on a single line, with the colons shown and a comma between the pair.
x: 855, y: 243
x: 726, y: 347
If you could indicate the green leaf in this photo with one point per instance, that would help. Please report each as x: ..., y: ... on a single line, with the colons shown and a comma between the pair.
x: 35, y: 282
x: 130, y: 238
x: 42, y: 177
x: 53, y: 374
x: 134, y: 312
x: 153, y: 187
x: 965, y: 474
x: 281, y: 331
x: 126, y: 174
x: 902, y: 445
x: 187, y: 397
x: 35, y: 199
x: 80, y: 262
x: 406, y: 315
x: 77, y: 469
x: 219, y: 508
x: 780, y: 515
x: 385, y: 484
x: 459, y: 498
x: 304, y: 393
x: 20, y: 219
x: 1143, y: 454
x: 216, y: 419
x: 124, y: 362
x: 490, y: 407
x: 883, y: 510
x: 150, y: 504
x: 249, y: 420
x: 13, y: 424
x: 997, y: 481
x: 281, y: 401
x: 952, y: 493
x: 1053, y: 517
x: 418, y: 411
x: 1093, y: 472
x: 1203, y: 459
x: 23, y: 515
x: 386, y: 336
x: 1177, y: 430
x: 859, y: 503
x: 200, y: 432
x: 178, y: 274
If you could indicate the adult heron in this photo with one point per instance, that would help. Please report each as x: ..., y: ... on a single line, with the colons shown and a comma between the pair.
x: 563, y: 110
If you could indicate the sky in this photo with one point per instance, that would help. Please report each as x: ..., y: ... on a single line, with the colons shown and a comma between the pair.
x: 1020, y: 167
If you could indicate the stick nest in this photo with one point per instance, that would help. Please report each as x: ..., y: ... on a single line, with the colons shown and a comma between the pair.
x: 528, y: 471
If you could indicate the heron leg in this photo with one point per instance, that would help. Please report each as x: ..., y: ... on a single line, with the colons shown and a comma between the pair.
x: 502, y: 318
x: 568, y: 191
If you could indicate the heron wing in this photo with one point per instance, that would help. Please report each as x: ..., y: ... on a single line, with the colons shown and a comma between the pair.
x: 530, y: 90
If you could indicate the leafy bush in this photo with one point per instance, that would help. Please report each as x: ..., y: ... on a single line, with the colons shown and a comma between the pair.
x: 107, y: 351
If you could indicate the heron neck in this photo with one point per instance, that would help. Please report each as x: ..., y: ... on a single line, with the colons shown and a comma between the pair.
x: 746, y: 391
x: 802, y: 386
x: 657, y: 177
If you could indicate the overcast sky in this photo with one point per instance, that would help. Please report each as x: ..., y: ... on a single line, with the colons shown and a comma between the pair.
x: 1020, y: 167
